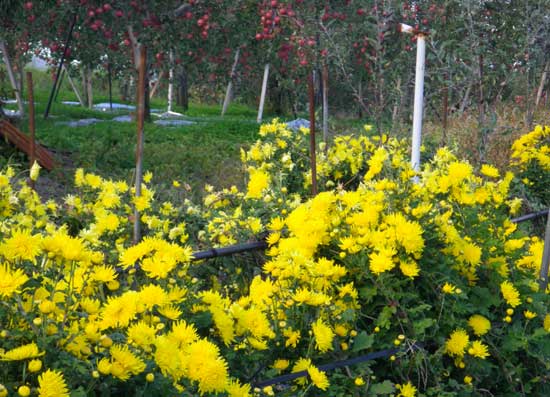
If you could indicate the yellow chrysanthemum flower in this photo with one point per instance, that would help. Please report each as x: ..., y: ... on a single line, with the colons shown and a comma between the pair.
x: 457, y: 343
x: 409, y: 268
x: 235, y: 389
x: 478, y: 349
x: 11, y: 280
x: 406, y: 390
x: 21, y: 245
x: 124, y: 363
x: 490, y: 171
x: 381, y: 261
x: 323, y: 336
x: 318, y: 378
x: 301, y: 365
x: 479, y: 324
x: 448, y: 288
x: 207, y: 367
x: 258, y: 182
x: 281, y: 364
x: 510, y: 294
x: 52, y: 384
x: 21, y: 353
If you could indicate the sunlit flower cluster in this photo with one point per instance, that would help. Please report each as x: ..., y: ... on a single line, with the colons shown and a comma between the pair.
x: 424, y: 264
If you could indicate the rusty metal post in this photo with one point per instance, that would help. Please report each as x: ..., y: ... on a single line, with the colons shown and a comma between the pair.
x: 32, y: 154
x: 312, y: 135
x: 139, y: 146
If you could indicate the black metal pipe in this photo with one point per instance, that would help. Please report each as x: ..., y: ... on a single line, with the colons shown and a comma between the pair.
x: 67, y: 42
x: 230, y: 250
x: 333, y: 365
x: 530, y: 216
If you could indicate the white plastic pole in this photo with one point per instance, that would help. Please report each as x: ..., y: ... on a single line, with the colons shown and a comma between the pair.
x: 418, y: 101
x: 262, y: 97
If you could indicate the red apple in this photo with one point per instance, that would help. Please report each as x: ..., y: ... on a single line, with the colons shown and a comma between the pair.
x: 28, y: 5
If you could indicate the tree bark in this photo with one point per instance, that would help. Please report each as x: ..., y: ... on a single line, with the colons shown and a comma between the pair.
x: 395, y: 112
x: 89, y: 89
x: 11, y: 75
x: 156, y: 85
x: 182, y: 97
x: 171, y: 82
x: 465, y: 99
x: 229, y: 91
x: 325, y: 103
x: 137, y: 49
x: 481, y: 99
x: 445, y: 106
x: 542, y: 83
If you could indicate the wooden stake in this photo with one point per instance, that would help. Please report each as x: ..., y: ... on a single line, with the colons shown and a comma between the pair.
x: 32, y: 154
x: 543, y: 279
x: 139, y: 146
x: 156, y: 85
x: 11, y: 75
x: 325, y: 103
x: 313, y: 159
x: 542, y: 83
x: 73, y: 86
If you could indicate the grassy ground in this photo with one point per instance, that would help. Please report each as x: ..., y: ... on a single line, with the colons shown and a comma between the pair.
x: 208, y: 151
x: 205, y: 152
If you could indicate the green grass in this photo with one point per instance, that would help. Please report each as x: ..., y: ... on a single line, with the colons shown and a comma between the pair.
x: 206, y: 152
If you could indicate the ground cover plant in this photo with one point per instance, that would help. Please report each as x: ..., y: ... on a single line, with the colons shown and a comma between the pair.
x: 429, y: 264
x: 198, y: 153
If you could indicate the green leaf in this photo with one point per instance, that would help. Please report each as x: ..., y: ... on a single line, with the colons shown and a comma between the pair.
x: 385, y: 387
x: 421, y: 325
x: 80, y: 392
x: 362, y: 341
x: 385, y: 316
x: 367, y: 293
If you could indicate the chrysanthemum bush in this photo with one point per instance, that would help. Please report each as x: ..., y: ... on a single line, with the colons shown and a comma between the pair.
x: 428, y: 264
x: 531, y: 160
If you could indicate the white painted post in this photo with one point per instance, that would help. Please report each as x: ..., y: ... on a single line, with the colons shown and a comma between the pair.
x: 264, y: 89
x: 169, y: 112
x: 418, y: 93
x: 418, y: 101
